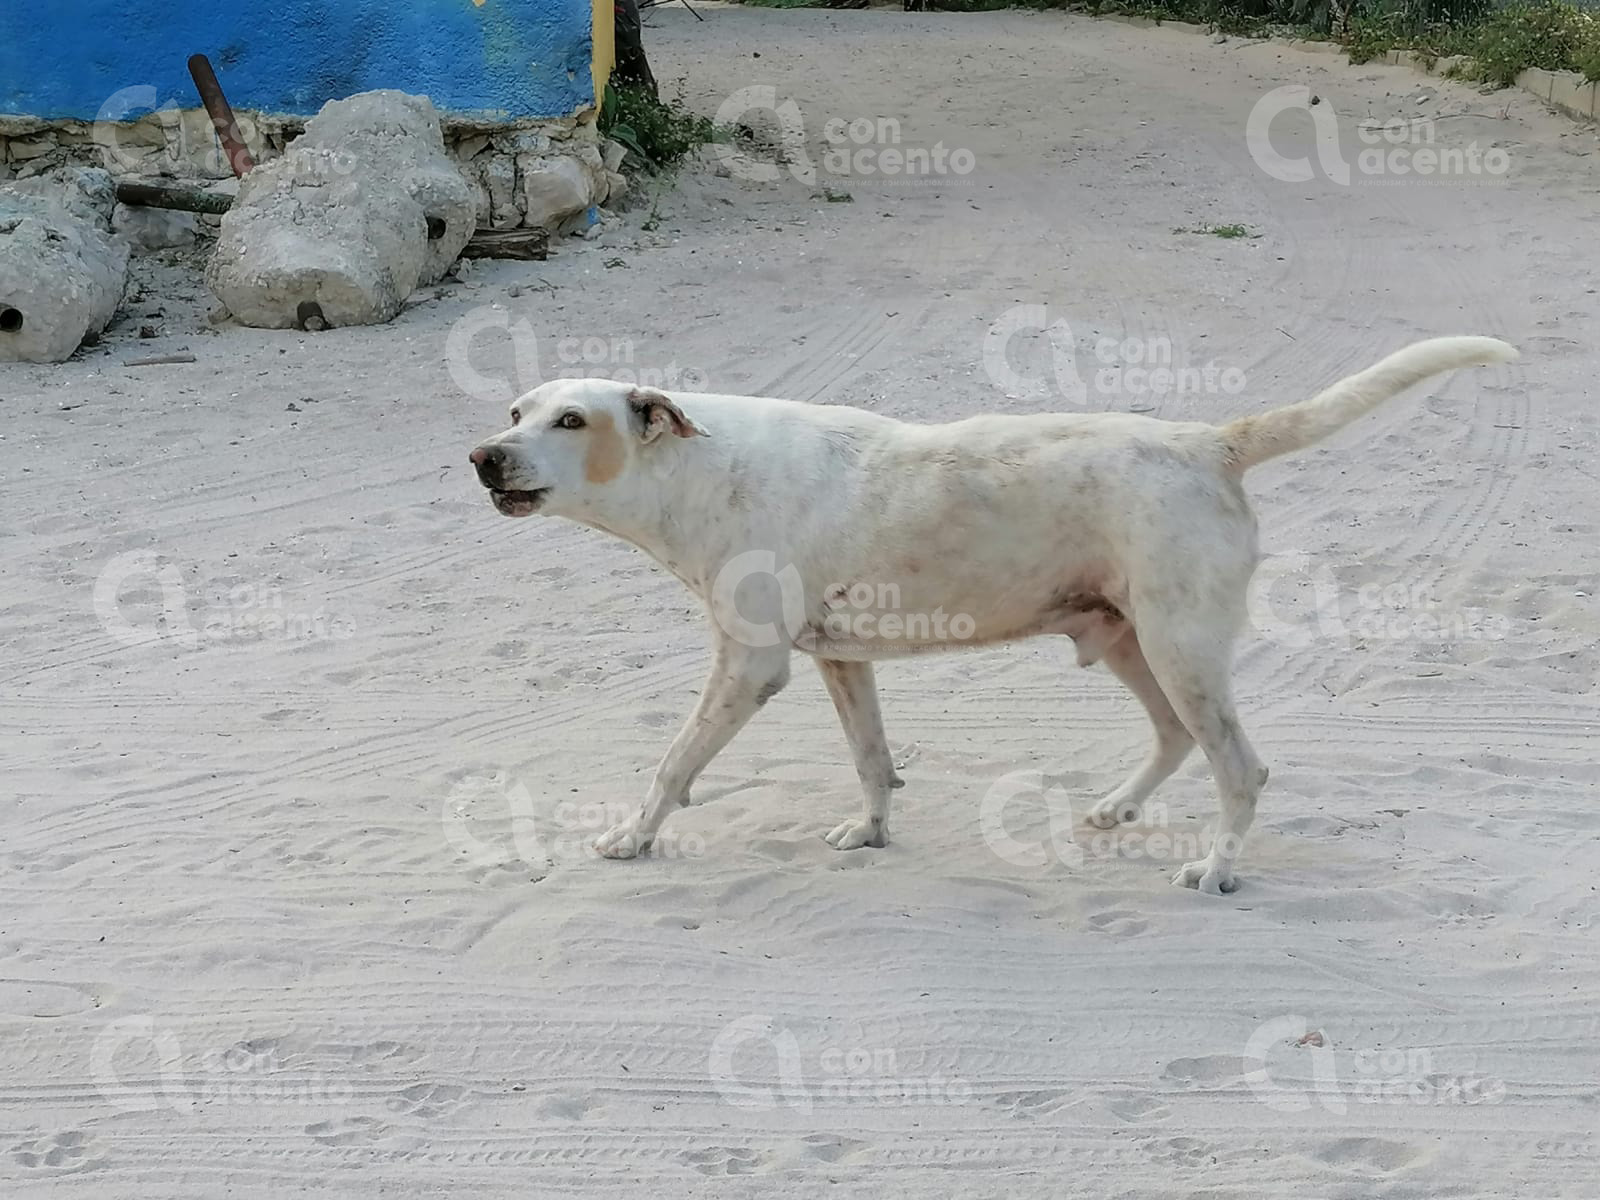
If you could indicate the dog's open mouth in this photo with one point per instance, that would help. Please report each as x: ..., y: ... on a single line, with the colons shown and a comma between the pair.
x: 518, y: 504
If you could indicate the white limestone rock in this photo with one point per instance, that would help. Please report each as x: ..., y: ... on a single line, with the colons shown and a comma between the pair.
x: 62, y: 270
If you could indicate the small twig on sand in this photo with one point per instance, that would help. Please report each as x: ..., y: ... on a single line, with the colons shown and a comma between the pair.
x: 159, y: 360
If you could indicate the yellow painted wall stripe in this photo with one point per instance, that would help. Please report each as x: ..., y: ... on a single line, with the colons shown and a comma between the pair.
x: 605, y: 46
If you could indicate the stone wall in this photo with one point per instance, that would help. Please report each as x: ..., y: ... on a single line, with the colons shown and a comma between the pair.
x: 547, y: 172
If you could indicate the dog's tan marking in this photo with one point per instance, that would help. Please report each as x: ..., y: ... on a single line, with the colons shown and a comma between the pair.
x: 607, y: 452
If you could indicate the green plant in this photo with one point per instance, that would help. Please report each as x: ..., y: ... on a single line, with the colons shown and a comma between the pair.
x: 655, y: 132
x: 1587, y: 60
x: 1372, y: 36
x: 1502, y: 42
x: 1551, y: 34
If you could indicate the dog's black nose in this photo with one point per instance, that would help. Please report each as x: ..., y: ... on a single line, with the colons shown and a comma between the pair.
x: 489, y: 460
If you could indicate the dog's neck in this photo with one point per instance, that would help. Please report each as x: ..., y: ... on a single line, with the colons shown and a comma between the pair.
x: 685, y: 475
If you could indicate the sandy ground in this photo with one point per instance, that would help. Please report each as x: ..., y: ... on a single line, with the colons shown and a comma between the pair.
x: 303, y: 743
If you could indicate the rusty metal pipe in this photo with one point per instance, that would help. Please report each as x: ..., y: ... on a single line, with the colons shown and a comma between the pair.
x: 164, y: 195
x: 222, y: 118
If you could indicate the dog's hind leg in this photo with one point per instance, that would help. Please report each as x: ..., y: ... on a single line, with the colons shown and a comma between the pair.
x: 1173, y: 742
x: 743, y: 678
x: 1189, y: 657
x: 855, y: 696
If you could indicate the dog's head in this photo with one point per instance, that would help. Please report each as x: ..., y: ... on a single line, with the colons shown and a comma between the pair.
x: 571, y: 442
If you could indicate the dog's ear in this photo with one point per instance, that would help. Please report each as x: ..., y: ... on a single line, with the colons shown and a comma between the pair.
x: 654, y: 414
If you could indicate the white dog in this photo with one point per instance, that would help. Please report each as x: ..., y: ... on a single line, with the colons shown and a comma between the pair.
x: 852, y: 536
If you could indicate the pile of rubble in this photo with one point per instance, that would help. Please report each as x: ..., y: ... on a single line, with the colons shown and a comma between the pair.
x: 366, y: 204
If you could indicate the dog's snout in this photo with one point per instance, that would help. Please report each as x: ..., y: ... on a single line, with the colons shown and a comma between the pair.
x: 489, y: 460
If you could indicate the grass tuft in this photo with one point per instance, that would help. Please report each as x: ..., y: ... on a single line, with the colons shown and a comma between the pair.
x: 1228, y: 232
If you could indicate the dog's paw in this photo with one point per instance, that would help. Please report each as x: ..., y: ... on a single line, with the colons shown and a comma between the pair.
x: 1203, y: 876
x: 858, y: 832
x: 1111, y: 812
x: 622, y: 840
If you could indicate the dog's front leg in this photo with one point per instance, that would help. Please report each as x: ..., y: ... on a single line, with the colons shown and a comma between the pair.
x: 743, y: 678
x: 855, y: 695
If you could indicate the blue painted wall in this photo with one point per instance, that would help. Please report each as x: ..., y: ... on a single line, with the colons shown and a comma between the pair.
x: 494, y: 58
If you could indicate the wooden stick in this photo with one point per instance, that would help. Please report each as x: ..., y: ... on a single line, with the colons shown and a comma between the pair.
x: 531, y: 244
x: 159, y: 360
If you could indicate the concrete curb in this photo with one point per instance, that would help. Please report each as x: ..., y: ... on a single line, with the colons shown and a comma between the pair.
x: 1566, y: 91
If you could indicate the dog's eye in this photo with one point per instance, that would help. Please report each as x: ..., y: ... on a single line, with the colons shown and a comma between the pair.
x: 516, y: 416
x: 570, y: 421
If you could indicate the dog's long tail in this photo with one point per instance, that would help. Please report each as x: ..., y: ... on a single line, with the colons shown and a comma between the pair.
x: 1254, y: 439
